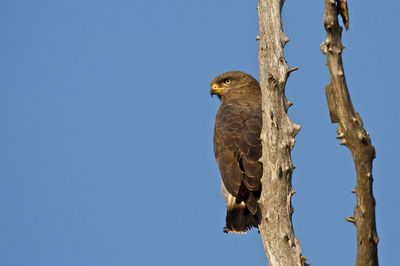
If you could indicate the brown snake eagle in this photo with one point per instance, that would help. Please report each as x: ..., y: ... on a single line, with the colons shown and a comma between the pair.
x: 237, y: 147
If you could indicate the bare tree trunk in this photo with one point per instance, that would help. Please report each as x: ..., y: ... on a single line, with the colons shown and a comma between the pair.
x: 277, y: 136
x: 352, y: 134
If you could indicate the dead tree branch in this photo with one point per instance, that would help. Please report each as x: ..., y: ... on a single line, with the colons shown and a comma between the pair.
x: 352, y: 134
x: 277, y: 136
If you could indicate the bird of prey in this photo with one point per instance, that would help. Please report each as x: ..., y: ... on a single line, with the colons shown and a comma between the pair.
x: 237, y: 147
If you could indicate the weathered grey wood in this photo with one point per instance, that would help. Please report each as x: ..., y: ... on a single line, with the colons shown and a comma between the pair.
x: 352, y: 134
x: 277, y: 136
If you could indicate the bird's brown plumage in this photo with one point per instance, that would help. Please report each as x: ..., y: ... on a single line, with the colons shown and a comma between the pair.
x: 237, y: 147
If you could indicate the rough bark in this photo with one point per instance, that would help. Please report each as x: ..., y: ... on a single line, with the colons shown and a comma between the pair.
x: 352, y: 134
x: 277, y: 136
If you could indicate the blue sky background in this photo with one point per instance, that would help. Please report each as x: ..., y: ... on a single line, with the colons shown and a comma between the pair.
x: 106, y: 144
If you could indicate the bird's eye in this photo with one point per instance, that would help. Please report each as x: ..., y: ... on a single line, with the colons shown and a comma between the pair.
x: 227, y: 81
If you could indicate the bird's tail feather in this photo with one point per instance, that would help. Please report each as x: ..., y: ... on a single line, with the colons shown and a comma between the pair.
x: 238, y: 218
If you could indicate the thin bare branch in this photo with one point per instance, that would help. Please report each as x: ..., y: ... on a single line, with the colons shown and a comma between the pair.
x: 352, y: 134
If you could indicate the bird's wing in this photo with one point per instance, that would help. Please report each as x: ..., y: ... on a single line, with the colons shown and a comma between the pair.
x: 237, y: 148
x: 250, y: 151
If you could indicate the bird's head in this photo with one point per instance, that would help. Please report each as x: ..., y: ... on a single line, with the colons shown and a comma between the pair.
x: 234, y: 83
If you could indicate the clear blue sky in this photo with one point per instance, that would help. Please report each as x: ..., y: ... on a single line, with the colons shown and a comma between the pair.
x: 106, y: 144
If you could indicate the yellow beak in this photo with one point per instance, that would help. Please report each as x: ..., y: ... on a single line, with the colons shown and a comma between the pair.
x: 215, y: 89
